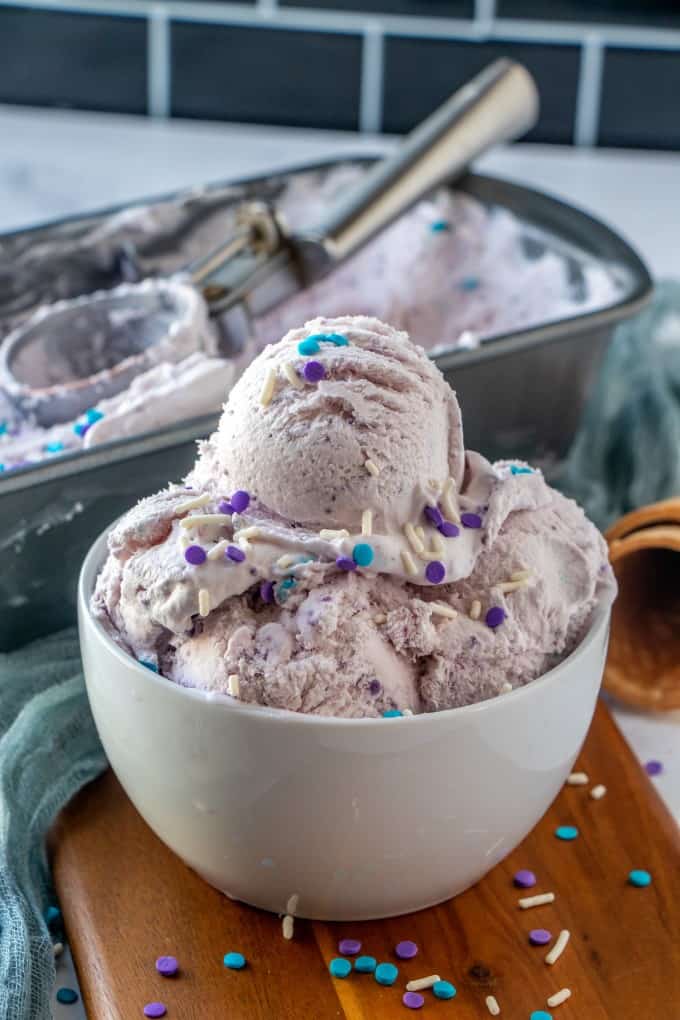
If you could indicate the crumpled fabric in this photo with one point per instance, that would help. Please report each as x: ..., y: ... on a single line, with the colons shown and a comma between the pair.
x: 49, y: 749
x: 627, y: 451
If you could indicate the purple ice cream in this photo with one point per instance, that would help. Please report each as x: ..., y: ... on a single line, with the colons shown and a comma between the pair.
x: 336, y: 551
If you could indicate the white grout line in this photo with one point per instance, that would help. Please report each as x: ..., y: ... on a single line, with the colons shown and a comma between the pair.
x: 587, y: 117
x: 353, y: 23
x: 371, y: 96
x: 158, y: 61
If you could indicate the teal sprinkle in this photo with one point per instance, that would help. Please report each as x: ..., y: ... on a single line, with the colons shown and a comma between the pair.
x: 566, y: 832
x: 386, y: 973
x: 639, y: 878
x: 516, y: 470
x: 440, y: 226
x: 392, y: 713
x: 3, y: 428
x: 52, y: 915
x: 469, y: 283
x: 148, y: 664
x: 92, y: 415
x: 283, y: 589
x: 540, y: 1014
x: 234, y: 961
x: 338, y: 339
x: 365, y: 964
x: 362, y: 554
x: 67, y: 996
x: 54, y: 447
x: 339, y: 968
x: 2, y: 468
x: 79, y: 428
x: 309, y: 346
x: 443, y: 990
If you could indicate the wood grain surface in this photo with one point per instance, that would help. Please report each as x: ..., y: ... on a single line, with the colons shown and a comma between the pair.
x: 126, y: 899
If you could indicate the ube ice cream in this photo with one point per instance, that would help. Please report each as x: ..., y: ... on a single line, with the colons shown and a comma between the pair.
x: 336, y: 550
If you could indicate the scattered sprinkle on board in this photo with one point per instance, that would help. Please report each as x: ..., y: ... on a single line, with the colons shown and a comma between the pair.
x: 406, y: 950
x: 365, y: 964
x: 492, y: 1005
x: 577, y: 779
x: 234, y: 961
x: 386, y: 973
x: 67, y: 996
x: 444, y: 990
x: 653, y: 767
x: 640, y: 878
x: 524, y: 879
x: 167, y: 966
x: 155, y: 1010
x: 540, y: 1014
x: 559, y: 997
x: 349, y: 947
x: 425, y: 982
x: 598, y: 792
x: 413, y: 1000
x: 536, y: 901
x: 567, y: 833
x: 540, y: 936
x: 559, y: 947
x: 339, y: 967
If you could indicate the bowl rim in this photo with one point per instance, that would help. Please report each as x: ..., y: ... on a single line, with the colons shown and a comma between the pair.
x: 94, y: 561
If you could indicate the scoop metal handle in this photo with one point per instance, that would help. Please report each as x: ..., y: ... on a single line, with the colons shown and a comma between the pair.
x: 498, y: 105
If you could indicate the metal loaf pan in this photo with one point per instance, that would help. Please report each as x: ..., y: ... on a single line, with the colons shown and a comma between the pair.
x: 522, y: 394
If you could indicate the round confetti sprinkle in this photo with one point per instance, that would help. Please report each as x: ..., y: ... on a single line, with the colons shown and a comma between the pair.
x: 93, y: 415
x: 54, y: 447
x: 469, y: 283
x: 267, y: 591
x: 3, y: 427
x: 448, y: 530
x: 640, y: 878
x: 148, y: 664
x: 336, y: 338
x: 406, y: 950
x: 494, y: 617
x: 313, y: 371
x: 195, y: 555
x: 308, y: 346
x: 434, y: 515
x: 362, y: 554
x: 540, y: 1014
x: 540, y: 936
x: 80, y: 429
x: 435, y: 572
x: 524, y: 878
x: 374, y: 687
x: 52, y: 916
x: 413, y: 1000
x: 67, y: 996
x: 167, y: 966
x: 516, y: 470
x: 566, y: 832
x: 392, y: 713
x: 345, y: 563
x: 365, y: 964
x: 225, y: 507
x: 653, y: 768
x: 440, y: 226
x: 240, y: 501
x: 443, y: 990
x: 386, y: 973
x: 235, y: 554
x: 349, y: 947
x: 471, y: 520
x: 155, y: 1009
x: 339, y: 968
x: 234, y: 961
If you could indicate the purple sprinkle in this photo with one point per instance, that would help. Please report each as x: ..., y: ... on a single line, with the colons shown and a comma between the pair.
x: 448, y: 530
x: 345, y: 563
x: 539, y: 936
x: 653, y: 767
x: 313, y: 371
x: 155, y: 1009
x: 434, y: 516
x: 234, y: 553
x: 267, y: 591
x: 167, y: 966
x: 435, y: 572
x: 524, y: 879
x: 240, y: 501
x: 349, y: 947
x: 413, y: 1000
x: 195, y: 555
x: 495, y: 617
x: 225, y: 507
x: 375, y: 687
x: 406, y: 950
x: 471, y: 520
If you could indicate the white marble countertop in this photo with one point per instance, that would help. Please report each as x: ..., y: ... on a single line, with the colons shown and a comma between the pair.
x: 54, y: 163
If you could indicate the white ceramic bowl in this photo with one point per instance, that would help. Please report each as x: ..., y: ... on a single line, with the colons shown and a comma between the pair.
x: 361, y: 818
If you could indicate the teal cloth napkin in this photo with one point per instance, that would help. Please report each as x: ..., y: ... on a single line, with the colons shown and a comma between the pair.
x: 49, y: 749
x: 627, y: 451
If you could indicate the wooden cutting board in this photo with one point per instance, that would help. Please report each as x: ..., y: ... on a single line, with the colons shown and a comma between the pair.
x: 126, y: 899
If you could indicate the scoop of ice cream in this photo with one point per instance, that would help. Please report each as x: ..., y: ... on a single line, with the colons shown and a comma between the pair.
x: 342, y: 415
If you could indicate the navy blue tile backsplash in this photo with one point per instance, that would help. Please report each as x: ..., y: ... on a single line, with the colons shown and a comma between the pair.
x: 58, y: 58
x: 277, y: 76
x: 435, y: 68
x: 608, y: 70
